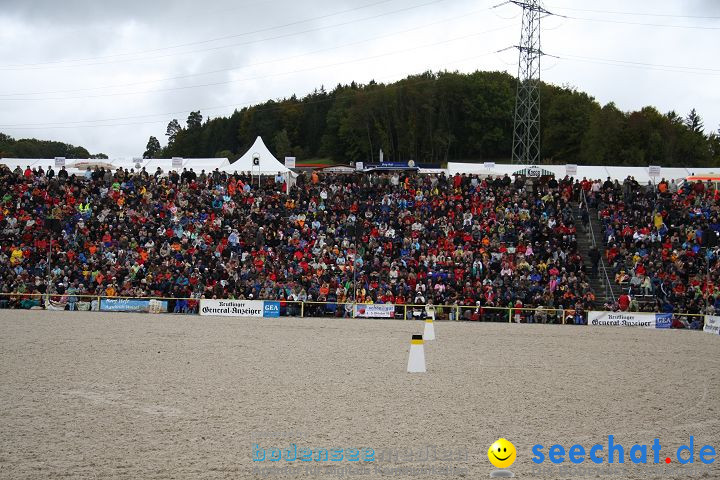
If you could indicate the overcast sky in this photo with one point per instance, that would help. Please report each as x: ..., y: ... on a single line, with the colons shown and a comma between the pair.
x: 106, y: 75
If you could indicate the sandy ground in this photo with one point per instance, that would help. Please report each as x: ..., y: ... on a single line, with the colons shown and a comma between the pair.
x: 90, y: 395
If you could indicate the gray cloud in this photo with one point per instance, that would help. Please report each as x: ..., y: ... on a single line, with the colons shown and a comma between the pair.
x: 126, y: 42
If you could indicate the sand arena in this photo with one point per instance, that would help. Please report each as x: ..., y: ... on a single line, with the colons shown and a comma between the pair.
x: 88, y: 395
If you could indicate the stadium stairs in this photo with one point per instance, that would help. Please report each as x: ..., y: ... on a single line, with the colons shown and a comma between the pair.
x: 597, y: 282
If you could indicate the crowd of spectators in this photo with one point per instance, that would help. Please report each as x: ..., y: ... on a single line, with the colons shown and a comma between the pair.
x: 658, y: 243
x: 401, y: 238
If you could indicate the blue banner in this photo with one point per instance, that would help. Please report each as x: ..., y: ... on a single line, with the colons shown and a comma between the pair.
x: 124, y: 305
x: 271, y: 309
x: 663, y: 320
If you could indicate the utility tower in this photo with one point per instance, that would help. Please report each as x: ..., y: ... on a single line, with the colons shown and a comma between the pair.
x: 526, y: 130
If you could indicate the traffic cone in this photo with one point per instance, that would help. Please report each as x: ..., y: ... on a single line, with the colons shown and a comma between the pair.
x: 429, y: 333
x: 416, y: 361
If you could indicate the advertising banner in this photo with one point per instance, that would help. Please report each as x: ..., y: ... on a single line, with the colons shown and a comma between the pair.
x: 271, y: 309
x: 232, y: 308
x: 534, y: 172
x: 124, y: 305
x: 712, y: 324
x: 629, y: 319
x: 374, y: 311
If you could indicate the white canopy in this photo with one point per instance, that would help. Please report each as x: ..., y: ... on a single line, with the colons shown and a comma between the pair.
x: 12, y: 163
x: 268, y: 163
x: 166, y: 164
x: 591, y: 172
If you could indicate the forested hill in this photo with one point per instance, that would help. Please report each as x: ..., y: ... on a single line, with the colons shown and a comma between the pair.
x: 33, y: 148
x: 439, y: 117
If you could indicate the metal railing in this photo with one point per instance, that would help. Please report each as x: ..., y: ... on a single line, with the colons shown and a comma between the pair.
x: 606, y: 279
x: 296, y: 308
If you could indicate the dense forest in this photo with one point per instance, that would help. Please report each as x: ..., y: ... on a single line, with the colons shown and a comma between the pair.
x: 438, y: 117
x: 33, y: 148
x: 431, y: 118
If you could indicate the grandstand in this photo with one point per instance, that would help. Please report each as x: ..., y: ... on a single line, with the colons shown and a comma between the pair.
x: 400, y: 238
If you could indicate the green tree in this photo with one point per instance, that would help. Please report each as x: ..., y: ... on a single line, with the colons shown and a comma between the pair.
x: 282, y: 144
x: 152, y: 148
x: 172, y: 130
x: 194, y: 120
x: 694, y: 122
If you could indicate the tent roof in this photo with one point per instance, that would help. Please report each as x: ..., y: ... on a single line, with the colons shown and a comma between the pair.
x: 593, y: 172
x: 268, y: 163
x: 12, y: 163
x: 151, y: 164
x: 543, y: 172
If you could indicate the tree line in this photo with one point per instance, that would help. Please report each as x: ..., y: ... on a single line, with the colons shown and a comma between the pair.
x: 34, y: 148
x: 433, y: 118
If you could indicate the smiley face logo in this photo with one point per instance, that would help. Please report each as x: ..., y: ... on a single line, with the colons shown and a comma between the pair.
x: 502, y: 453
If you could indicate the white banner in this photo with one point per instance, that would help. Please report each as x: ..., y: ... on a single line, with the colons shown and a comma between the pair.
x: 381, y: 310
x: 712, y: 324
x: 177, y: 162
x: 231, y: 308
x: 570, y: 170
x: 629, y: 319
x: 534, y: 172
x: 59, y: 162
x: 489, y: 165
x: 359, y: 165
x: 290, y: 162
x: 654, y: 171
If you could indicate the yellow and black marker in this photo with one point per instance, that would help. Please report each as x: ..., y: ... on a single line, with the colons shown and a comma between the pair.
x: 416, y: 360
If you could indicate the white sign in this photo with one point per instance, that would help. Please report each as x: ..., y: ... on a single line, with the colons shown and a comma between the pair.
x: 570, y: 170
x: 359, y: 165
x: 489, y: 165
x: 712, y: 324
x: 654, y: 171
x: 534, y: 172
x: 629, y: 319
x: 290, y: 162
x: 231, y: 308
x: 177, y: 162
x: 382, y: 310
x: 59, y: 162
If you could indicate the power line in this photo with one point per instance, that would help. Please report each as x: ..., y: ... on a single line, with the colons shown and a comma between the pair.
x: 643, y: 65
x: 43, y: 66
x: 639, y: 14
x: 260, y: 77
x: 199, y: 42
x: 664, y: 25
x: 239, y: 67
x: 64, y: 125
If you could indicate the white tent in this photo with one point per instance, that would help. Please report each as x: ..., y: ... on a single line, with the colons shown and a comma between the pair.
x: 166, y: 164
x: 592, y: 172
x: 73, y: 165
x: 12, y: 163
x: 268, y: 163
